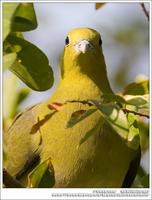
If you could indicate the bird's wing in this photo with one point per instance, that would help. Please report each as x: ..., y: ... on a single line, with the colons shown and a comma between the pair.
x: 22, y: 146
x: 132, y: 171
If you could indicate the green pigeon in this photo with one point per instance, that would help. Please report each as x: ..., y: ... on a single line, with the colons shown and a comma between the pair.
x: 41, y: 133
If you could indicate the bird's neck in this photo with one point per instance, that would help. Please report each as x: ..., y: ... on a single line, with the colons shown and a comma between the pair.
x: 77, y: 85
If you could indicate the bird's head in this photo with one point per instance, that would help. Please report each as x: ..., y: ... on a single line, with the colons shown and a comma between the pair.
x: 82, y: 41
x: 83, y: 59
x: 82, y: 50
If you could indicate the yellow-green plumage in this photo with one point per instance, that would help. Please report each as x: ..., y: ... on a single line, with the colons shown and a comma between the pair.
x: 103, y: 159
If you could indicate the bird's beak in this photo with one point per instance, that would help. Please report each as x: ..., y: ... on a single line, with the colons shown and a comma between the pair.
x: 83, y: 46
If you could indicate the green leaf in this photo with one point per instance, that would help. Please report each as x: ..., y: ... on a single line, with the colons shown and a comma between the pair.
x: 145, y: 181
x: 131, y: 118
x: 141, y: 173
x: 8, y: 11
x: 23, y: 94
x: 10, y: 96
x: 117, y: 119
x: 24, y: 18
x: 79, y: 116
x: 113, y: 98
x: 8, y: 60
x: 133, y: 135
x: 144, y: 135
x: 140, y: 88
x: 92, y: 131
x: 42, y: 176
x: 138, y: 103
x: 6, y: 28
x: 32, y: 65
x: 18, y: 34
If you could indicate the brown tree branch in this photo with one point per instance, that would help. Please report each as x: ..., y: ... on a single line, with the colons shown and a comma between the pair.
x: 145, y: 10
x: 135, y: 113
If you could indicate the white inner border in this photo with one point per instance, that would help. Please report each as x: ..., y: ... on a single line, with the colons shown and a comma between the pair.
x: 47, y: 193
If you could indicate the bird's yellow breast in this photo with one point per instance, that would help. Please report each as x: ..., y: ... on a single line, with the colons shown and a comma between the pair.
x: 97, y: 162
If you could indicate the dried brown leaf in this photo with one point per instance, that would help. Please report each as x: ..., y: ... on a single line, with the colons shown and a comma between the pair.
x: 99, y: 5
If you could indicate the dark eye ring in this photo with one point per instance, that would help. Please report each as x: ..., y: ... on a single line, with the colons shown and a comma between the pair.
x: 100, y: 42
x: 67, y: 40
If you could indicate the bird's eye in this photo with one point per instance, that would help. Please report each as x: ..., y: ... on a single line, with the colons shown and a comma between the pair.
x: 100, y: 42
x: 67, y: 40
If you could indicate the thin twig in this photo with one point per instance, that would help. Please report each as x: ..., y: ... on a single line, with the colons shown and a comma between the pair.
x: 134, y: 112
x: 145, y: 10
